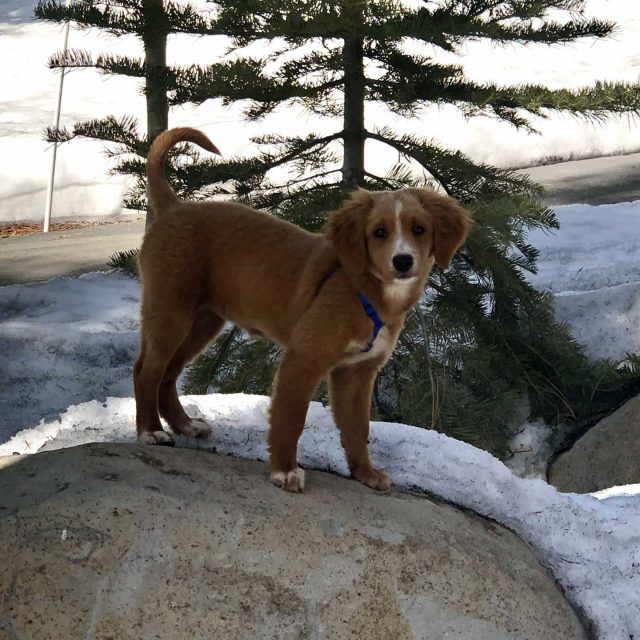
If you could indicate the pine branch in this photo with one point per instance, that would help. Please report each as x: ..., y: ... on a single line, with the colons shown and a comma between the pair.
x: 448, y: 25
x: 457, y: 174
x: 244, y: 176
x: 78, y: 59
x: 305, y: 206
x: 184, y: 18
x: 323, y: 63
x: 300, y: 20
x: 109, y: 65
x: 595, y: 102
x: 117, y: 20
x: 244, y: 80
x: 71, y: 59
x: 120, y: 65
x: 292, y: 148
x: 122, y: 131
x: 128, y: 16
x: 311, y: 179
x: 414, y: 81
x: 398, y: 177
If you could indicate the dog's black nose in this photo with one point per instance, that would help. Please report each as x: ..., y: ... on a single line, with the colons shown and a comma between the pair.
x: 402, y: 262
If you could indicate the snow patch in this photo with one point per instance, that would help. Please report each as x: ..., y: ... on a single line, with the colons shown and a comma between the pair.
x: 63, y: 342
x: 530, y: 450
x: 592, y: 266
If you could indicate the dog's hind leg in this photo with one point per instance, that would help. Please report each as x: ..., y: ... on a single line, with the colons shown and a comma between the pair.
x: 350, y: 389
x: 162, y: 334
x: 205, y: 327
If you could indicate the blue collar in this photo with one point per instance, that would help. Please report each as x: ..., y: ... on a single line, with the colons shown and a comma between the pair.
x: 375, y: 318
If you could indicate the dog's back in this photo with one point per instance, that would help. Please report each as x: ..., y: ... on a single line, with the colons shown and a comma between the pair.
x: 213, y: 250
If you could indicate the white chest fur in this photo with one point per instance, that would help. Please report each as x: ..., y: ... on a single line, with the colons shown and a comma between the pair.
x: 398, y: 292
x: 382, y: 346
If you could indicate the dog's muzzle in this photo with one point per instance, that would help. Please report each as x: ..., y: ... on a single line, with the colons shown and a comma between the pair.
x: 402, y: 263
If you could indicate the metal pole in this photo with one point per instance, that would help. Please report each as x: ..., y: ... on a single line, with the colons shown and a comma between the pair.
x: 56, y: 124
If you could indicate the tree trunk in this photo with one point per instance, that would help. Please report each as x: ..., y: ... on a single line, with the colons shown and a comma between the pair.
x: 354, y: 96
x: 155, y: 54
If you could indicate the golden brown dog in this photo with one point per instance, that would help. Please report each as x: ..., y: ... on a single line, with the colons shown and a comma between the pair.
x: 317, y: 295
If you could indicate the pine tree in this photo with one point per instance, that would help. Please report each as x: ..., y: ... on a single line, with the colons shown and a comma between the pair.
x: 483, y: 342
x: 151, y: 21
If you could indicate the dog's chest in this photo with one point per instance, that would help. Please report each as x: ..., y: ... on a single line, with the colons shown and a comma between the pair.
x: 382, y: 346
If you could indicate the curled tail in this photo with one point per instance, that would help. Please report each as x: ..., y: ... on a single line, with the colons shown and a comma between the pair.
x: 160, y: 193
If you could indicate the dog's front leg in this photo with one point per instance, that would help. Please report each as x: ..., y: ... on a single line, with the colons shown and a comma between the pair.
x: 351, y: 388
x: 296, y: 381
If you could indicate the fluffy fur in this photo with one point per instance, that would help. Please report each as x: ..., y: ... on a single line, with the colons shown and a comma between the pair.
x: 203, y: 263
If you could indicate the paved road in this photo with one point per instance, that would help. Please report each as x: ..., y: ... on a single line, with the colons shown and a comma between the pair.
x: 595, y: 181
x: 41, y: 256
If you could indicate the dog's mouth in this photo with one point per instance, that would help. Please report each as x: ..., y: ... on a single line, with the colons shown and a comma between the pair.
x: 404, y: 275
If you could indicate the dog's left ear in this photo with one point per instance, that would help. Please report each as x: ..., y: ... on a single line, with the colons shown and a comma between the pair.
x: 451, y: 223
x: 346, y: 230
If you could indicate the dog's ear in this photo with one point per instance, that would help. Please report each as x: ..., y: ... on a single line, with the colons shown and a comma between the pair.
x: 451, y: 223
x: 346, y: 230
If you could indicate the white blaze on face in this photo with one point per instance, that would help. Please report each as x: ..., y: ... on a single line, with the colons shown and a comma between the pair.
x: 401, y: 245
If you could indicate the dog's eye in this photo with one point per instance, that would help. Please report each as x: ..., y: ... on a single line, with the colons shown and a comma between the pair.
x: 380, y: 233
x: 418, y: 230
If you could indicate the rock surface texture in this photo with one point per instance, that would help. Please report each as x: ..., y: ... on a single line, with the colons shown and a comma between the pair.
x: 123, y: 541
x: 608, y: 455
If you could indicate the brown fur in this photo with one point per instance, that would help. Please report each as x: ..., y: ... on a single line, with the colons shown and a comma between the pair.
x: 202, y: 263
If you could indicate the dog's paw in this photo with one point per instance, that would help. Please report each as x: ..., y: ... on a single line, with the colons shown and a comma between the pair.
x: 157, y: 437
x: 374, y: 478
x: 292, y: 481
x: 195, y: 428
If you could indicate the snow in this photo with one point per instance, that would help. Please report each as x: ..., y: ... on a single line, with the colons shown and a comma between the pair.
x: 530, y: 449
x: 592, y: 265
x: 26, y: 108
x: 67, y: 347
x: 62, y: 342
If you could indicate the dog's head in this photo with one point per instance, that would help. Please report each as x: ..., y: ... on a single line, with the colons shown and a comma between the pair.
x: 397, y: 235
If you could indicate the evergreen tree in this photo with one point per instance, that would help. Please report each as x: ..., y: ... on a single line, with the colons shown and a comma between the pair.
x: 483, y: 342
x: 151, y: 21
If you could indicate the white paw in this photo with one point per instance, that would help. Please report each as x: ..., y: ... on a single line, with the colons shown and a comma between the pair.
x: 156, y: 437
x: 374, y: 478
x: 195, y: 428
x: 289, y: 480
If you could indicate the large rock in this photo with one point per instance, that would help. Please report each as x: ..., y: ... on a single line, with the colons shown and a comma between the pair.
x: 608, y: 455
x: 121, y: 541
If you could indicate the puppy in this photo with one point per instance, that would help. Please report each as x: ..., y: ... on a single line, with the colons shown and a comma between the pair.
x: 335, y: 301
